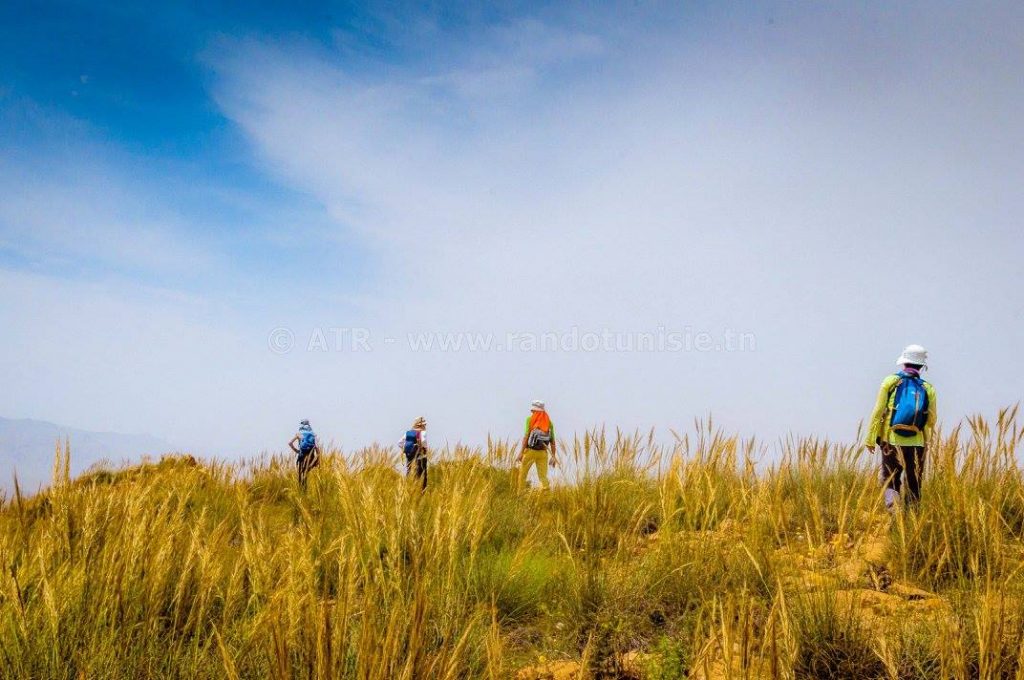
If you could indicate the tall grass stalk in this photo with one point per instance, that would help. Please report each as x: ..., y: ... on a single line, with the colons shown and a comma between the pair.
x: 646, y: 560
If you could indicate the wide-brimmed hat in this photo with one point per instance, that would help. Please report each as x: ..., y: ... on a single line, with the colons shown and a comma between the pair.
x: 913, y: 354
x: 537, y: 405
x: 419, y: 423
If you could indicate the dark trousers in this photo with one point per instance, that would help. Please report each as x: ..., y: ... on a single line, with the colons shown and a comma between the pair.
x: 897, y: 461
x: 305, y: 462
x: 418, y: 467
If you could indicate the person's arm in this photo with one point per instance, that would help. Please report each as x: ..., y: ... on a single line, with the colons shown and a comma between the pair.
x: 875, y: 422
x: 933, y: 415
x: 292, y: 444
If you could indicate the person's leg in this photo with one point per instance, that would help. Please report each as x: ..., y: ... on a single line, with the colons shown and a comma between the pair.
x: 892, y: 472
x: 913, y: 460
x: 307, y: 465
x: 421, y: 470
x: 542, y: 468
x: 524, y: 468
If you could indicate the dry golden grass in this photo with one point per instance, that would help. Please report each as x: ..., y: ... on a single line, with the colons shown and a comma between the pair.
x: 648, y: 562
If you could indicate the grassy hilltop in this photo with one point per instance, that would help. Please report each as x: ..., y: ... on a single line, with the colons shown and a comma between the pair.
x: 649, y: 563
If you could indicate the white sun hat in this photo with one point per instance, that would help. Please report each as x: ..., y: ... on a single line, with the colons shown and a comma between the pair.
x: 913, y: 354
x: 537, y: 405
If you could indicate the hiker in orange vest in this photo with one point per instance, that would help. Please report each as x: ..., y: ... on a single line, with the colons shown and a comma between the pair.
x: 538, y: 437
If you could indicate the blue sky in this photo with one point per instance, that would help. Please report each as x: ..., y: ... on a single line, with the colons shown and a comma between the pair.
x: 178, y: 181
x: 94, y: 88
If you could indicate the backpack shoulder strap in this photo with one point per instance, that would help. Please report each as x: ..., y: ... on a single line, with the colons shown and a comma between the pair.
x: 895, y: 380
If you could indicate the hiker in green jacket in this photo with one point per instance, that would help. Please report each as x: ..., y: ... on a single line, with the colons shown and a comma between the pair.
x: 902, y: 425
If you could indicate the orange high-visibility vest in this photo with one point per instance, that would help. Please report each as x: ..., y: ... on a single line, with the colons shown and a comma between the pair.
x: 540, y: 420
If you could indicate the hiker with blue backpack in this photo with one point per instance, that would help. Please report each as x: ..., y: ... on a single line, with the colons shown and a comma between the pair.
x: 901, y: 426
x: 307, y: 451
x: 414, y: 446
x: 538, y: 439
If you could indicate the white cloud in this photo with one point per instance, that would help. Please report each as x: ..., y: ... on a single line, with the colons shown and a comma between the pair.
x: 742, y: 176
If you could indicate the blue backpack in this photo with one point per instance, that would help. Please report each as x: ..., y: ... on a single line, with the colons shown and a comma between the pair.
x: 307, y: 441
x: 909, y: 406
x: 412, y: 444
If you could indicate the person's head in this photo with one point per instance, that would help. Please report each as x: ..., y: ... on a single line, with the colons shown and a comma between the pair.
x: 304, y: 425
x: 420, y: 423
x: 913, y: 356
x: 537, y: 405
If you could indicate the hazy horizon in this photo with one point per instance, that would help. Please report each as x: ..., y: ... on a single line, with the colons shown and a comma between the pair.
x: 215, y: 223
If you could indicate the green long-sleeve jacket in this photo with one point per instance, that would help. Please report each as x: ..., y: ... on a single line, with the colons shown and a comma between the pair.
x: 878, y: 426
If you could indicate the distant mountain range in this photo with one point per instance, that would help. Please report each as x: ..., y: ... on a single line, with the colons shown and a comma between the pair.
x: 26, y: 447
